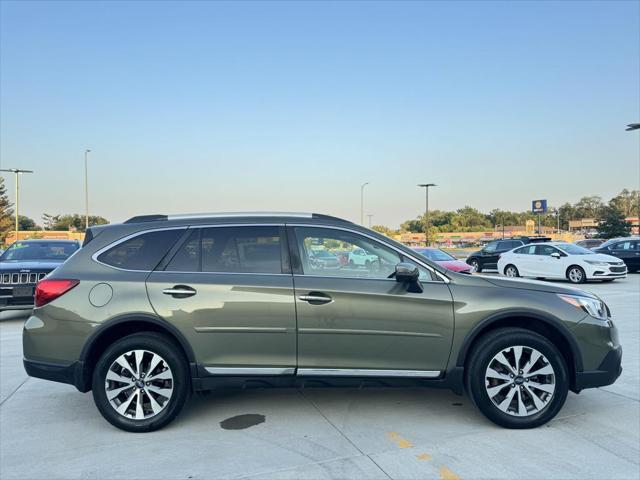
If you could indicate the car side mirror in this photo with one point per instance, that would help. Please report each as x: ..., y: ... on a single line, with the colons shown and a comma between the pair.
x: 409, y: 274
x: 555, y: 255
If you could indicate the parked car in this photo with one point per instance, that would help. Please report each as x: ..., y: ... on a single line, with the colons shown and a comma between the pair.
x: 487, y: 258
x: 590, y: 243
x: 443, y: 258
x: 358, y: 257
x: 159, y: 306
x: 323, y: 260
x: 24, y: 264
x: 626, y: 249
x: 561, y: 261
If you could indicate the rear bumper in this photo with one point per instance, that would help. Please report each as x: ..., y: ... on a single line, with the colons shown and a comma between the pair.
x: 73, y: 373
x: 607, y: 373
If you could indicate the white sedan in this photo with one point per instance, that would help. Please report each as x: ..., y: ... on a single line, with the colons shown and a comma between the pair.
x: 560, y: 260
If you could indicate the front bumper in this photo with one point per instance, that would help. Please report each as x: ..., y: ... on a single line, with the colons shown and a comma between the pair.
x: 606, y: 373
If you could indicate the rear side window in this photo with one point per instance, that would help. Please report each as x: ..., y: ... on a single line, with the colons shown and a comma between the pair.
x: 526, y: 250
x: 624, y: 246
x: 230, y: 250
x: 142, y: 252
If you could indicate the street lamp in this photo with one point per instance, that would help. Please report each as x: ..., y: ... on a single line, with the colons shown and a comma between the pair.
x: 17, y: 171
x: 633, y: 126
x: 86, y: 190
x: 426, y: 210
x: 369, y: 215
x: 362, y: 202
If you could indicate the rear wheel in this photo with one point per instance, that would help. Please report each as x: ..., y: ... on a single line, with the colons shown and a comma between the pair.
x: 517, y: 378
x: 141, y: 382
x: 511, y: 271
x: 575, y: 274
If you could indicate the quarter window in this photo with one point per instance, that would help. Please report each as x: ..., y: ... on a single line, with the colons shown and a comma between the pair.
x: 230, y: 250
x: 142, y: 252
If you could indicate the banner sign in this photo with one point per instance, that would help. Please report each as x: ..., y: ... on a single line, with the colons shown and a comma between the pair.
x: 539, y: 206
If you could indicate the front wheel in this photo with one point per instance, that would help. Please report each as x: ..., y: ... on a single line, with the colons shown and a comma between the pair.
x: 576, y: 274
x: 475, y: 266
x: 511, y: 271
x: 517, y: 378
x: 141, y: 382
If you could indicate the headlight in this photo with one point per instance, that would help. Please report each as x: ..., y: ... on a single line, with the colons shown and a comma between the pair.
x: 594, y: 307
x: 596, y: 262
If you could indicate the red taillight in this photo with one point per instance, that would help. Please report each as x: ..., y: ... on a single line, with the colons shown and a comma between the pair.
x: 48, y: 290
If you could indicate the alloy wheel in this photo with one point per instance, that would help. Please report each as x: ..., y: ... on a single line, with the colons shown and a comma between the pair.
x: 520, y: 381
x: 511, y: 271
x: 575, y: 275
x: 139, y: 384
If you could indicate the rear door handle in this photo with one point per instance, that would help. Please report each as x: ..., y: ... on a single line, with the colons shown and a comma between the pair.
x: 180, y: 291
x: 316, y: 298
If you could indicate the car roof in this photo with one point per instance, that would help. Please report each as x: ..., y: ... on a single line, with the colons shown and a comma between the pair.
x: 47, y: 240
x: 245, y: 216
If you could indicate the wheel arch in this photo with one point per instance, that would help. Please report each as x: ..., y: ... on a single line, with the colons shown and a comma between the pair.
x: 122, y: 326
x: 544, y: 324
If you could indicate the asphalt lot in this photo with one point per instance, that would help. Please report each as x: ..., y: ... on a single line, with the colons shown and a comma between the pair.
x: 49, y: 430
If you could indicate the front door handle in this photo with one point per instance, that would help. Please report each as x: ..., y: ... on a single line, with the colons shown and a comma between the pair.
x: 180, y: 291
x: 316, y: 298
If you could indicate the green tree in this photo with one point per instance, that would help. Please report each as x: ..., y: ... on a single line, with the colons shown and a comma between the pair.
x: 627, y: 202
x: 612, y: 223
x: 72, y: 221
x: 27, y: 224
x: 588, y: 207
x: 6, y: 212
x: 384, y: 230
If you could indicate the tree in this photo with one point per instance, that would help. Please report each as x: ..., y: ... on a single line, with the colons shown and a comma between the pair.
x: 627, y: 202
x: 612, y: 223
x: 6, y: 212
x: 383, y: 230
x: 27, y: 224
x: 72, y: 221
x: 588, y: 207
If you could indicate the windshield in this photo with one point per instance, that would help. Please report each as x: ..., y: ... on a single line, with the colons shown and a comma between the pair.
x: 435, y: 254
x: 39, y: 251
x: 574, y: 249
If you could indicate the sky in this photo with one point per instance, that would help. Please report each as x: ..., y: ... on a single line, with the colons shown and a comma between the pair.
x: 291, y: 106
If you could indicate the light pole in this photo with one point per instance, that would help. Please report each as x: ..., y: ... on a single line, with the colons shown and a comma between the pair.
x: 86, y: 189
x: 369, y: 215
x: 17, y: 171
x: 362, y: 202
x: 426, y: 210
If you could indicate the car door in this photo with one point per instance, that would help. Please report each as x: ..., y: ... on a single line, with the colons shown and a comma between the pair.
x: 360, y: 322
x: 524, y: 259
x: 489, y: 258
x: 546, y: 265
x: 230, y: 291
x: 627, y: 251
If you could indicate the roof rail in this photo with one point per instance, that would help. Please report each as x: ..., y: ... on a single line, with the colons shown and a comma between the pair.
x: 146, y: 218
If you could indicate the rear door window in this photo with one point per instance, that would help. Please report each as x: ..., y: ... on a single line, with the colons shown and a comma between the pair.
x: 142, y: 252
x: 527, y: 250
x: 230, y: 250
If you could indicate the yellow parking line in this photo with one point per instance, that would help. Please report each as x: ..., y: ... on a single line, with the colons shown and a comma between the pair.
x: 446, y: 474
x: 400, y: 442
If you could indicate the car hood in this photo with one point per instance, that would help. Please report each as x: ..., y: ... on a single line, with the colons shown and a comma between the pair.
x: 601, y: 257
x: 13, y: 266
x: 455, y: 265
x: 534, y: 285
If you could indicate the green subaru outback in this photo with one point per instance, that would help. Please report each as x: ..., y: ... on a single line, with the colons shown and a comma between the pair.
x: 153, y: 309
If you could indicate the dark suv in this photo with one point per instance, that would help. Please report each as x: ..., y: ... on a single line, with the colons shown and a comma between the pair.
x: 160, y: 306
x: 626, y: 249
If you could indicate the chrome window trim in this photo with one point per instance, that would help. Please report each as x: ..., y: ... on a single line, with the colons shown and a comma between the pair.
x: 240, y: 371
x: 366, y: 372
x: 444, y: 278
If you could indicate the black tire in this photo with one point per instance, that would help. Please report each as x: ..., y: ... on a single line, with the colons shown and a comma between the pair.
x: 482, y: 354
x: 475, y: 266
x: 515, y: 270
x: 171, y: 353
x: 579, y: 277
